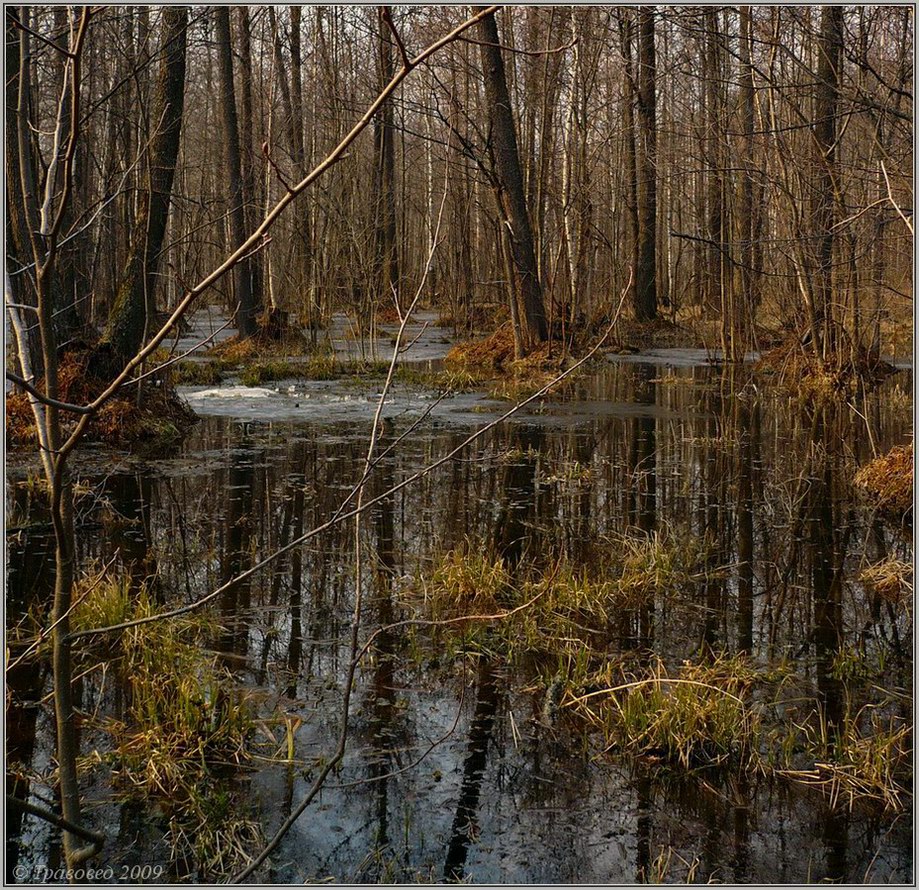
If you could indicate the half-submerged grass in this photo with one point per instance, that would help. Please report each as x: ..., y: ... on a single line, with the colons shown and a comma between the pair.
x: 191, y: 373
x: 866, y: 757
x: 562, y: 612
x: 562, y: 621
x: 696, y: 716
x: 187, y: 727
x: 887, y: 481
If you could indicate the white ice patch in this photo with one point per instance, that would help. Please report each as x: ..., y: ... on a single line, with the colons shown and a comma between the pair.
x: 232, y: 392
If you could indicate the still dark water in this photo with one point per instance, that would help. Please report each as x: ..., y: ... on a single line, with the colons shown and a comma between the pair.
x: 451, y: 773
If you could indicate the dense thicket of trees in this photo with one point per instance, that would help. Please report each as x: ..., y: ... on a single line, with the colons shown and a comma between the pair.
x: 751, y: 163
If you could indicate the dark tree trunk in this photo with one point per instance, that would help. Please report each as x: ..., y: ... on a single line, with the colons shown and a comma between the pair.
x: 134, y: 301
x: 248, y: 153
x: 18, y: 245
x: 713, y: 139
x: 530, y: 329
x: 246, y: 309
x: 825, y: 127
x: 629, y: 91
x: 646, y: 272
x: 386, y: 272
x: 71, y: 276
x: 304, y: 222
x: 745, y: 300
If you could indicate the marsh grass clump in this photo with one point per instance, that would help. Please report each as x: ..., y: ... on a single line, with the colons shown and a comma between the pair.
x: 187, y: 728
x: 492, y: 353
x: 560, y: 622
x: 151, y: 420
x: 867, y: 757
x: 633, y: 336
x: 890, y: 579
x: 562, y: 612
x: 101, y: 601
x: 237, y: 351
x: 888, y: 483
x: 267, y: 371
x: 833, y: 376
x: 189, y: 373
x: 448, y: 380
x: 667, y: 560
x: 695, y: 717
x: 467, y: 582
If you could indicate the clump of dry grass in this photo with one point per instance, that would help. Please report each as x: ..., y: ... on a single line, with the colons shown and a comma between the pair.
x: 714, y: 711
x: 888, y: 482
x: 837, y: 374
x: 891, y: 579
x: 156, y: 418
x: 467, y: 582
x: 866, y: 758
x: 563, y: 612
x: 492, y: 352
x: 187, y: 727
x: 191, y: 373
x: 721, y: 712
x: 634, y: 336
x: 695, y: 717
x: 236, y: 351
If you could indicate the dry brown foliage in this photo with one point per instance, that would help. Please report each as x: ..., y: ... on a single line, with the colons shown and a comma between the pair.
x: 891, y: 579
x: 840, y: 372
x: 492, y: 352
x: 888, y: 482
x: 131, y: 420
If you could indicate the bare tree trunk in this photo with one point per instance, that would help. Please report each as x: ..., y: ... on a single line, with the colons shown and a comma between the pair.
x: 829, y: 67
x: 712, y: 123
x: 134, y: 301
x: 246, y: 307
x: 304, y: 222
x: 629, y: 93
x: 386, y: 264
x: 645, y: 306
x: 249, y: 154
x: 531, y: 329
x: 744, y: 300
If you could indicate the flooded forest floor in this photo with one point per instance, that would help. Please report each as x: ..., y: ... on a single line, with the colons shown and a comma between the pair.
x: 653, y: 627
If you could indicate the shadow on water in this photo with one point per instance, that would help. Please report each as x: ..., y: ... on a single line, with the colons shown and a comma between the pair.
x: 454, y: 772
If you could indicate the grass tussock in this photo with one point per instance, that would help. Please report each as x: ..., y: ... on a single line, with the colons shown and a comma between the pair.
x: 890, y: 579
x: 449, y: 380
x: 565, y: 612
x: 833, y: 376
x: 632, y: 336
x: 694, y: 717
x: 237, y: 351
x: 187, y: 728
x: 494, y: 352
x: 267, y: 371
x: 154, y: 420
x: 868, y: 757
x: 562, y: 621
x: 888, y: 483
x: 189, y: 373
x: 513, y: 379
x: 721, y: 712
